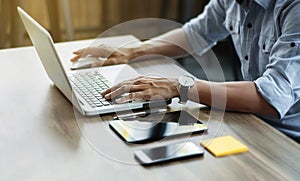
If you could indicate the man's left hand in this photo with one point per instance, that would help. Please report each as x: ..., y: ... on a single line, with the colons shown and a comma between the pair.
x: 145, y: 88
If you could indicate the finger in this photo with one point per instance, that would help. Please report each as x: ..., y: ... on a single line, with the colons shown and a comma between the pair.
x: 130, y: 97
x: 107, y: 91
x: 128, y: 82
x: 126, y: 89
x: 115, y: 87
x: 76, y: 58
x: 135, y: 81
x: 79, y: 51
x: 118, y: 92
x: 140, y: 87
x: 141, y: 95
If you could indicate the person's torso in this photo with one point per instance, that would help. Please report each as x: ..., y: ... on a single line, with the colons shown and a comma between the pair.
x: 254, y: 32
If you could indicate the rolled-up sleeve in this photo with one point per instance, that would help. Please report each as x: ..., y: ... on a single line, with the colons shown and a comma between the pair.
x: 205, y: 30
x: 280, y: 83
x: 280, y: 89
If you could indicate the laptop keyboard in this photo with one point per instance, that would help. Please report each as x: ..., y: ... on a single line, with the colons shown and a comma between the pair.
x: 90, y: 85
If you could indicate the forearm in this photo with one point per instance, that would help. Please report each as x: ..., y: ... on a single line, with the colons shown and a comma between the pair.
x: 171, y: 44
x: 237, y: 96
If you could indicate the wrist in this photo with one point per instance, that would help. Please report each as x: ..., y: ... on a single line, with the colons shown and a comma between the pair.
x: 175, y: 88
x: 136, y: 52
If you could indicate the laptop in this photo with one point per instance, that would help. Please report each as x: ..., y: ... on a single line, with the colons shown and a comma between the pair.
x: 82, y: 87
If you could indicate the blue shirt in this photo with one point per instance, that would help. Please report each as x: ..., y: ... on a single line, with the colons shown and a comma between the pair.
x: 266, y: 36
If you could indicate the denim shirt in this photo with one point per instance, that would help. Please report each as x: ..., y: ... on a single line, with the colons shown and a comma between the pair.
x: 266, y: 36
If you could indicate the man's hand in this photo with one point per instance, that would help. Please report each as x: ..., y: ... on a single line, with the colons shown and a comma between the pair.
x: 105, y: 54
x: 146, y: 88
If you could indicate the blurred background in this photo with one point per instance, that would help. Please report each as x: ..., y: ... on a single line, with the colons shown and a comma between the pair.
x: 83, y: 19
x: 69, y: 20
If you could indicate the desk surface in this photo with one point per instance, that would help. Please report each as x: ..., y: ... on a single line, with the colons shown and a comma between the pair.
x: 44, y: 138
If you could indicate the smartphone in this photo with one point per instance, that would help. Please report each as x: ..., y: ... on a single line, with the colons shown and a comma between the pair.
x: 157, y: 126
x: 168, y: 153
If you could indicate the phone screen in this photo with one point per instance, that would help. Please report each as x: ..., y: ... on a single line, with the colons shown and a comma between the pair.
x: 169, y: 152
x: 181, y: 117
x: 157, y: 126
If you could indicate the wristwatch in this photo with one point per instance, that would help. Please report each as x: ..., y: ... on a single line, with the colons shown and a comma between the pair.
x: 185, y: 83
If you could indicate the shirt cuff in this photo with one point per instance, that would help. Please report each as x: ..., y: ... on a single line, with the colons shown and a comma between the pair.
x: 276, y: 91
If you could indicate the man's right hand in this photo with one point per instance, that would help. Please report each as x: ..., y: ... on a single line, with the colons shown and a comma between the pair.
x: 105, y: 54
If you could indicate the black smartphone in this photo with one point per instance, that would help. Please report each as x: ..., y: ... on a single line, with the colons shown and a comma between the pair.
x: 168, y: 153
x: 157, y: 126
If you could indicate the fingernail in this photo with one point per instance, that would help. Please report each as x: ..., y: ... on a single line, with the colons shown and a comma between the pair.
x: 118, y: 100
x: 102, y: 58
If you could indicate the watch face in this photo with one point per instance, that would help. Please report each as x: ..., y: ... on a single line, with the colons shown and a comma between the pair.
x: 186, y: 81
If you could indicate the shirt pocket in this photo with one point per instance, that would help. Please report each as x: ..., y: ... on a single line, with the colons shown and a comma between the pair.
x: 265, y: 45
x: 287, y: 46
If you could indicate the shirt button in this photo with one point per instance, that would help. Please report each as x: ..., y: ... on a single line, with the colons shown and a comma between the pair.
x: 293, y: 44
x: 264, y: 46
x: 249, y: 25
x: 246, y: 57
x: 231, y: 28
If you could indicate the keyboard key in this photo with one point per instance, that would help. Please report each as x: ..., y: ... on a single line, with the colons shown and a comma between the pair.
x: 89, y: 86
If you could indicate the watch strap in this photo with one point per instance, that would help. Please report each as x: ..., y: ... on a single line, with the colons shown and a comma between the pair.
x: 183, y: 94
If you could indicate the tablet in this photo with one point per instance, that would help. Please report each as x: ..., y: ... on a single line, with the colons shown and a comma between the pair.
x: 158, y: 126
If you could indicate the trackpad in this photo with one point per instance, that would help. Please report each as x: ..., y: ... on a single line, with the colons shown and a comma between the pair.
x: 118, y: 73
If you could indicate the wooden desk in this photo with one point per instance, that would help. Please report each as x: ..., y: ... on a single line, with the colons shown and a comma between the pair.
x: 44, y: 138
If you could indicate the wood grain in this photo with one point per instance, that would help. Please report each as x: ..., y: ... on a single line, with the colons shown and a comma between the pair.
x: 44, y: 138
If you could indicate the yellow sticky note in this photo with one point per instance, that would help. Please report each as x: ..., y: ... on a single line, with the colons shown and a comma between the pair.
x: 223, y: 146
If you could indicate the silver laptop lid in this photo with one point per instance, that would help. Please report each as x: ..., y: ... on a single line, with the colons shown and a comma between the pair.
x: 44, y: 45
